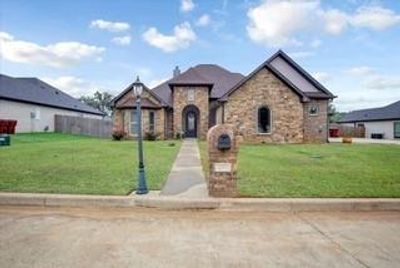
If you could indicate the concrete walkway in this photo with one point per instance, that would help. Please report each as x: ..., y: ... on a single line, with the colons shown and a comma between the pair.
x: 186, y: 178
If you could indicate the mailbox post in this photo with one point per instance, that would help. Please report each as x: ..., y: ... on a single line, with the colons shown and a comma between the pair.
x: 222, y: 152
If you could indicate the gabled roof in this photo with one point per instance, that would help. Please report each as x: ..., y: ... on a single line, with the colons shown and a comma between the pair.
x: 389, y: 112
x: 219, y: 79
x: 129, y: 88
x: 35, y: 91
x: 289, y: 72
x: 145, y: 103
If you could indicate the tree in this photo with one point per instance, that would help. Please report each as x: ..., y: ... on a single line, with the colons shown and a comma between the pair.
x: 100, y: 101
x: 334, y: 115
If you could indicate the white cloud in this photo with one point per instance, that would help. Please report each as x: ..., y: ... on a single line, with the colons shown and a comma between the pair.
x: 60, y: 54
x: 187, y: 5
x: 72, y: 85
x: 110, y: 26
x: 360, y: 71
x: 275, y: 22
x: 182, y: 38
x: 122, y: 40
x: 335, y: 21
x: 204, y: 20
x: 375, y: 17
x: 280, y: 23
x: 321, y: 76
x: 382, y: 82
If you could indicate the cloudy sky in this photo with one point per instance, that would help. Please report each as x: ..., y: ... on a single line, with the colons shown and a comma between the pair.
x: 351, y: 46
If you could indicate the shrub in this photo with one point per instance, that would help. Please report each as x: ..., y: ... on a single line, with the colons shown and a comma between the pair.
x: 118, y: 134
x: 179, y: 135
x: 150, y: 136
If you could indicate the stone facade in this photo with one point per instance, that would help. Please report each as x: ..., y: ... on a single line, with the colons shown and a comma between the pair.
x: 122, y: 117
x: 222, y: 183
x: 200, y: 100
x: 315, y: 126
x: 265, y: 89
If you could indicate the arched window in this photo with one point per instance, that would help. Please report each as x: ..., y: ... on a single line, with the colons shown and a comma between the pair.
x: 264, y: 120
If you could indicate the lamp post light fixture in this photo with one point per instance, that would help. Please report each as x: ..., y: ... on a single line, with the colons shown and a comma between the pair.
x: 138, y: 90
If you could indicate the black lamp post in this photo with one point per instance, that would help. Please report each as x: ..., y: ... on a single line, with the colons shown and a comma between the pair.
x: 138, y: 90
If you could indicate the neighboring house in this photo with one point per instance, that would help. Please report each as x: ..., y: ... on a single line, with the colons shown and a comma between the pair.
x: 383, y: 121
x: 34, y: 103
x: 278, y: 102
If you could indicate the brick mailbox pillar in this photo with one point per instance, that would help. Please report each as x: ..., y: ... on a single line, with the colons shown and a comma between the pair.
x: 222, y: 155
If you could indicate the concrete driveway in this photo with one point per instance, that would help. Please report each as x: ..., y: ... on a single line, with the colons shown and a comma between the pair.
x: 366, y: 141
x: 59, y: 237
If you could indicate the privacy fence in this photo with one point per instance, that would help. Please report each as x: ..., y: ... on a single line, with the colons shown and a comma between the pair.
x: 101, y: 128
x: 337, y: 130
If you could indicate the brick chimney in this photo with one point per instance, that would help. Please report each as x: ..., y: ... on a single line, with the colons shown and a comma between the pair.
x: 177, y: 71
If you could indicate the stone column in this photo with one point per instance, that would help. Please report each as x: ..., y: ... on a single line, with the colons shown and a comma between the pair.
x: 222, y: 153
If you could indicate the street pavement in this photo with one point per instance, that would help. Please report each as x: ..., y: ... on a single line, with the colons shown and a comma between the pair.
x: 139, y: 237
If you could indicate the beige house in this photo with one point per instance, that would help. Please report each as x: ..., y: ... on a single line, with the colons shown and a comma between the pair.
x: 278, y: 102
x: 34, y: 104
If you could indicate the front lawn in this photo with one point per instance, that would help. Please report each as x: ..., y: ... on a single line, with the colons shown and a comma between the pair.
x: 57, y: 163
x: 327, y: 170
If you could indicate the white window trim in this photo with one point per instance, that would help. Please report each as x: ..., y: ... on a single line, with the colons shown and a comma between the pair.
x: 394, y: 129
x: 270, y: 121
x: 131, y: 122
x: 309, y: 109
x: 155, y: 121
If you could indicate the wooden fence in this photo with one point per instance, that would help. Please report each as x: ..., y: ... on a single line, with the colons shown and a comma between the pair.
x: 349, y: 131
x: 101, y: 128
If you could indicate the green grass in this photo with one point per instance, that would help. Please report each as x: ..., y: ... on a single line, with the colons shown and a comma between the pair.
x: 328, y: 170
x: 57, y: 163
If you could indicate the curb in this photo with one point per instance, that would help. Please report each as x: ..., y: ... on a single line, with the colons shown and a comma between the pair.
x: 153, y: 200
x: 66, y: 200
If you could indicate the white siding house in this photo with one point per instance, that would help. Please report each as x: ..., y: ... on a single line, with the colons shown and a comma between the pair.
x: 383, y: 120
x: 34, y: 104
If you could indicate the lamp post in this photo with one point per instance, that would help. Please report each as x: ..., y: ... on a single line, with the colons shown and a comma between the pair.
x: 137, y: 90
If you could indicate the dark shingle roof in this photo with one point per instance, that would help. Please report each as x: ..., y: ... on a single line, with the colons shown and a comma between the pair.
x: 33, y: 90
x: 292, y: 74
x: 389, y: 112
x: 219, y: 79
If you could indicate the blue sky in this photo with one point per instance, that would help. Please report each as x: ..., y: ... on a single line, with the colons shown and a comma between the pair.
x: 351, y: 46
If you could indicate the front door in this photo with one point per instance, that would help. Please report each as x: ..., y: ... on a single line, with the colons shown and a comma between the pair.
x: 191, y: 124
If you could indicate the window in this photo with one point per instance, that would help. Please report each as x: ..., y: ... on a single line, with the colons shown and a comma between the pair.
x: 396, y: 130
x: 134, y: 123
x: 313, y: 110
x: 151, y: 122
x: 264, y: 120
x: 190, y: 94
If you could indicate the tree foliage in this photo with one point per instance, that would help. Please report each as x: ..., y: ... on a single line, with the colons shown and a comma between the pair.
x: 334, y: 115
x: 100, y: 101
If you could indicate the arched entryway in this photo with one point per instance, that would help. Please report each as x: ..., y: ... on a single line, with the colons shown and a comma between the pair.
x: 190, y: 121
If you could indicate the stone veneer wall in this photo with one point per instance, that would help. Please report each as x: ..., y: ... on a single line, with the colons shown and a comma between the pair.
x: 316, y: 126
x: 180, y: 101
x: 122, y: 117
x: 264, y: 88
